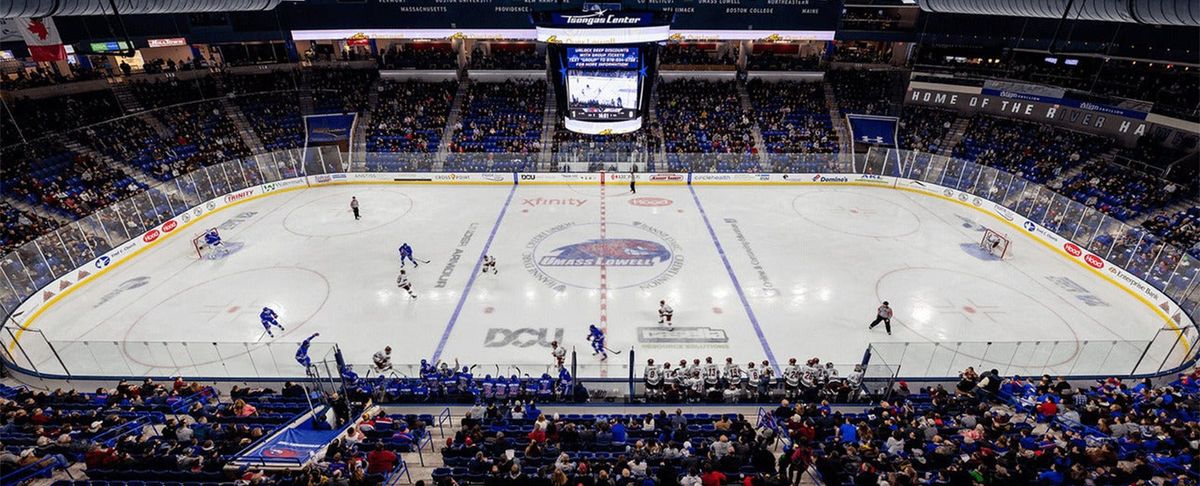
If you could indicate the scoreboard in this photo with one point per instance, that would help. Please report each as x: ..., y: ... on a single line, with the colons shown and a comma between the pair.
x: 603, y: 63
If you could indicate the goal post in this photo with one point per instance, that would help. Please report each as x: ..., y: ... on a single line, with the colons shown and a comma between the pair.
x: 202, y: 248
x: 995, y: 243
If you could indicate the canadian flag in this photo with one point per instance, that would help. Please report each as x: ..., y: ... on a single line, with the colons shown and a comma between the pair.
x: 41, y: 36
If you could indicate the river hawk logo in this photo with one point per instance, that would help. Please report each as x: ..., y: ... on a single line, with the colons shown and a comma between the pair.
x: 623, y: 252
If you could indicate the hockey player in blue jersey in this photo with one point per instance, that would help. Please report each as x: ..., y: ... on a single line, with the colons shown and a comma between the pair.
x: 406, y: 253
x: 302, y: 352
x: 269, y: 317
x: 348, y: 374
x: 596, y: 336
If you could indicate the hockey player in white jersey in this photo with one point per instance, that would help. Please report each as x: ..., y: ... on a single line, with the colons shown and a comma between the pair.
x: 754, y: 380
x: 559, y: 353
x: 383, y: 360
x: 732, y: 374
x: 489, y: 264
x: 665, y: 312
x: 808, y: 374
x: 403, y: 283
x: 791, y: 378
x: 653, y: 377
x: 711, y: 373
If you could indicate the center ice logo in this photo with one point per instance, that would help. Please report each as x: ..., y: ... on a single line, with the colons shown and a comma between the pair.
x: 624, y: 252
x: 575, y: 255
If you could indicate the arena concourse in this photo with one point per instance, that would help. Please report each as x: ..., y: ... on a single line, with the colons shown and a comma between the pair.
x: 366, y: 243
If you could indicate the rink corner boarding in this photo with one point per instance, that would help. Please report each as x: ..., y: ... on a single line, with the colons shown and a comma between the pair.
x: 1166, y: 308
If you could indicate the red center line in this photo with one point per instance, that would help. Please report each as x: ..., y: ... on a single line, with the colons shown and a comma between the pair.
x: 603, y: 268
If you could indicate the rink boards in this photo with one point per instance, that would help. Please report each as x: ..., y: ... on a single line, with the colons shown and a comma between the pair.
x: 1162, y: 306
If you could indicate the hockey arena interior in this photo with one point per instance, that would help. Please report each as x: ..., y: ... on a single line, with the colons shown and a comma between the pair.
x: 669, y: 243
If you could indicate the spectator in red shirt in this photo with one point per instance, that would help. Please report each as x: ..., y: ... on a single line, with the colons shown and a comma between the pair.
x: 381, y: 461
x: 713, y: 477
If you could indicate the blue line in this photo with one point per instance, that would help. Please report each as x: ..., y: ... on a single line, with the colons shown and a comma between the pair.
x: 471, y: 281
x: 736, y: 285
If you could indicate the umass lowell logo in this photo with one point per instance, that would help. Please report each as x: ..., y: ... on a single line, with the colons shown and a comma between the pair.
x: 570, y: 255
x: 622, y: 252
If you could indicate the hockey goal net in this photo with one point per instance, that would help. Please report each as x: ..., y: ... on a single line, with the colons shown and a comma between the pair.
x: 995, y: 244
x: 202, y: 248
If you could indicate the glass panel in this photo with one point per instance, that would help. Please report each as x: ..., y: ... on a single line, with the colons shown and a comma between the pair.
x: 220, y: 184
x: 953, y: 174
x: 1183, y: 277
x: 1015, y: 195
x: 1125, y: 245
x: 149, y: 210
x: 289, y: 164
x: 1055, y: 212
x: 1070, y: 223
x: 935, y: 170
x: 250, y: 172
x: 203, y: 185
x: 111, y: 221
x: 1108, y: 231
x: 56, y: 256
x: 1164, y: 266
x: 185, y: 195
x: 130, y: 215
x: 918, y: 165
x: 161, y: 204
x: 312, y: 161
x: 9, y: 299
x: 237, y: 180
x: 970, y: 178
x: 876, y: 158
x: 78, y: 245
x: 267, y: 166
x: 21, y: 282
x: 35, y: 265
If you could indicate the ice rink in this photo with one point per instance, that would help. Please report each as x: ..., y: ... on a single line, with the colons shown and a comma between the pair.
x: 753, y: 273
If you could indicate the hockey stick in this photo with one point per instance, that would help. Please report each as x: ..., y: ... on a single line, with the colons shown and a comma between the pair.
x: 611, y: 350
x: 422, y: 261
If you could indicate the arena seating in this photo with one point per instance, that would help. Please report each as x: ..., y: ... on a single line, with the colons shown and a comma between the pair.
x: 341, y: 90
x: 864, y: 92
x: 925, y: 129
x: 18, y: 227
x: 275, y: 118
x: 410, y: 118
x: 160, y: 93
x: 520, y: 56
x: 39, y: 117
x: 40, y: 76
x: 420, y: 55
x: 1033, y: 151
x: 701, y: 116
x: 793, y: 116
x: 73, y: 184
x: 499, y: 118
x: 688, y: 54
x: 601, y: 152
x: 1120, y: 192
x: 769, y: 61
x: 1181, y: 229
